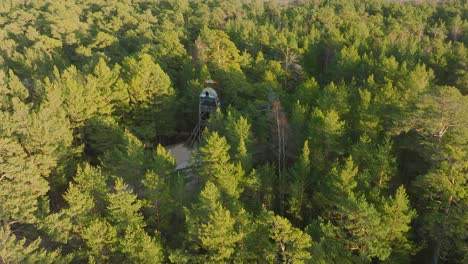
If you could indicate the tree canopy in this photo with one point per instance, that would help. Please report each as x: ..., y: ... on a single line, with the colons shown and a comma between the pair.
x: 342, y: 137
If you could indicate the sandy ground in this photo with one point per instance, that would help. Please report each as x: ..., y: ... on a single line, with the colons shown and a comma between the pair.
x: 182, y: 154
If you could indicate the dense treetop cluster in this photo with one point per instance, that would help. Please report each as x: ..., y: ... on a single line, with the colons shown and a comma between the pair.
x: 343, y: 136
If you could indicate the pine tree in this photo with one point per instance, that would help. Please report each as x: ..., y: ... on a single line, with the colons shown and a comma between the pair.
x: 79, y: 96
x: 86, y: 199
x: 300, y: 177
x: 11, y: 87
x: 291, y: 245
x: 14, y: 250
x: 334, y: 187
x: 359, y: 225
x: 151, y: 110
x: 212, y: 228
x: 146, y: 80
x: 218, y: 235
x: 299, y: 114
x: 163, y: 163
x: 377, y: 165
x: 307, y: 92
x: 438, y: 115
x: 53, y: 133
x: 215, y: 48
x: 21, y: 184
x: 326, y: 131
x: 139, y: 247
x: 93, y: 180
x: 157, y: 183
x: 369, y: 123
x: 215, y: 165
x: 357, y: 231
x: 101, y: 241
x: 124, y: 213
x: 169, y: 50
x: 363, y: 225
x: 442, y: 202
x: 237, y: 130
x: 102, y: 135
x: 124, y: 207
x: 334, y: 97
x: 266, y: 174
x: 31, y: 143
x: 344, y: 181
x: 397, y: 217
x: 109, y: 85
x: 128, y: 159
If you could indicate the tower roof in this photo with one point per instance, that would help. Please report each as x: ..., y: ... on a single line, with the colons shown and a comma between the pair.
x: 210, y: 92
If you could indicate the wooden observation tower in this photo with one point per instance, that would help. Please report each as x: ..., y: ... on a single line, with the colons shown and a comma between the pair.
x: 208, y: 103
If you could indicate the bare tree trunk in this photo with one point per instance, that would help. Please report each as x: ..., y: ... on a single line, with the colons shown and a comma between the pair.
x: 281, y: 123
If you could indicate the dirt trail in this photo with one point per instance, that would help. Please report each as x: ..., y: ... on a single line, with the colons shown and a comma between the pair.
x: 182, y: 154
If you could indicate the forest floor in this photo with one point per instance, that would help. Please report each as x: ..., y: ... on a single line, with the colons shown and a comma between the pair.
x: 182, y: 155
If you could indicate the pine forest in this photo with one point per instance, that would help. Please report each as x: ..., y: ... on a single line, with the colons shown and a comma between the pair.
x: 234, y: 131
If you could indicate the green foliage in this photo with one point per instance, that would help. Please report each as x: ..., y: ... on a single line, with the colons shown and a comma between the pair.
x: 100, y: 240
x: 91, y: 179
x: 14, y: 250
x: 80, y: 96
x: 21, y: 184
x: 31, y: 144
x: 145, y: 79
x: 149, y: 112
x: 215, y: 48
x: 127, y: 159
x: 124, y: 207
x: 216, y: 166
x: 291, y: 244
x: 397, y: 216
x: 237, y: 130
x: 212, y: 228
x: 140, y: 247
x: 326, y: 133
x: 439, y: 112
x: 335, y: 114
x: 377, y: 164
x: 298, y: 122
x: 443, y: 192
x: 300, y: 174
x: 158, y: 184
